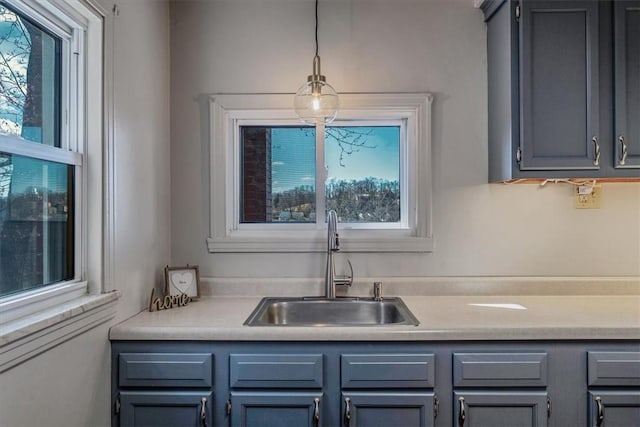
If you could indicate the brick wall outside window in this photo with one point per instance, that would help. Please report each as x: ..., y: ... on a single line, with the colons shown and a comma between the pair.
x: 256, y: 175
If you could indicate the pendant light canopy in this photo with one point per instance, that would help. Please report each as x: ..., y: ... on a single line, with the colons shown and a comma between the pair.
x: 316, y: 101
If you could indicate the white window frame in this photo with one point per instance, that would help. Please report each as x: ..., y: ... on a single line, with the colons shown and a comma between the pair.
x: 81, y: 31
x: 229, y: 111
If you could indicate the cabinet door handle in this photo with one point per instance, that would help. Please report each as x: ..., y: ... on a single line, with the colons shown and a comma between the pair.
x: 600, y: 413
x: 316, y: 412
x: 203, y: 412
x: 596, y: 151
x: 347, y: 411
x: 462, y: 416
x: 623, y: 150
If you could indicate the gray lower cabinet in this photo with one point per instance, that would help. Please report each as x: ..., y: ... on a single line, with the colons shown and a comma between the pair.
x: 367, y: 384
x: 563, y: 88
x: 276, y: 389
x: 160, y: 387
x: 266, y: 389
x: 614, y: 388
x: 276, y: 409
x: 494, y: 389
x: 500, y: 409
x: 387, y: 409
x: 614, y: 408
x: 165, y: 408
x: 393, y: 389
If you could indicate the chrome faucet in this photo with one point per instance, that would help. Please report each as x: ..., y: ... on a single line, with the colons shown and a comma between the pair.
x: 333, y: 245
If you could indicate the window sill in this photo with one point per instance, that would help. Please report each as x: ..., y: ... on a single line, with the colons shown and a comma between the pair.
x: 26, y: 337
x: 381, y: 243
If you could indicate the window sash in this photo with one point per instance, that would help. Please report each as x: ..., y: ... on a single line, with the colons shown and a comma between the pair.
x: 57, y: 19
x: 15, y: 145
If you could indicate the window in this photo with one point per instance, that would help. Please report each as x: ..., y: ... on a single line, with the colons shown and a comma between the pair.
x: 277, y: 177
x: 50, y: 118
x: 362, y: 180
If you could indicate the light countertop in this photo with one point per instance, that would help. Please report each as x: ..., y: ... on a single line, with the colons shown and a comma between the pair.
x: 442, y: 318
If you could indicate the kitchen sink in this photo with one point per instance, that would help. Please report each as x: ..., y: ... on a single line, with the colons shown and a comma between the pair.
x: 314, y: 311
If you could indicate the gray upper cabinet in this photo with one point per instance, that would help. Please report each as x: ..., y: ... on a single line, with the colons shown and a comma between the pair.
x: 552, y: 82
x: 627, y: 83
x: 559, y: 85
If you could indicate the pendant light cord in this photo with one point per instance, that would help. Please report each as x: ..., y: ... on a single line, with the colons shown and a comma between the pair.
x: 316, y: 27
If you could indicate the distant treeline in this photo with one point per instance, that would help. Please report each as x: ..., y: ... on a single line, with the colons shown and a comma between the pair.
x: 365, y: 200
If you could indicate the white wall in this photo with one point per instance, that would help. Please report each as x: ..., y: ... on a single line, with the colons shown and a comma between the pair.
x: 69, y: 386
x: 385, y: 46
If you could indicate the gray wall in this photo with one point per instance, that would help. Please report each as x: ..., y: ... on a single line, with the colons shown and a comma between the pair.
x: 385, y: 46
x: 69, y: 386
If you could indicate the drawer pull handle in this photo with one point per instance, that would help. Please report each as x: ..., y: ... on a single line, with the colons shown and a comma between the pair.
x: 462, y: 416
x: 624, y: 151
x: 347, y: 411
x: 316, y: 412
x: 203, y: 412
x: 600, y: 413
x: 596, y: 151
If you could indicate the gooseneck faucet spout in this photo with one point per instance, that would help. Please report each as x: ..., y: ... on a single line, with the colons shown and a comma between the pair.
x: 333, y: 245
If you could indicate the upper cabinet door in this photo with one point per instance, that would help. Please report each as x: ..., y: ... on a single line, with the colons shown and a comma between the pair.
x: 559, y: 86
x: 627, y: 83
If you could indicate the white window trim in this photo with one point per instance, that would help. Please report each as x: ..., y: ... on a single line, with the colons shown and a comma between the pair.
x: 227, y: 236
x: 35, y: 321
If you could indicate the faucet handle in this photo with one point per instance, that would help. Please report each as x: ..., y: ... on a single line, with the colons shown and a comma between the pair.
x: 377, y: 291
x: 345, y: 280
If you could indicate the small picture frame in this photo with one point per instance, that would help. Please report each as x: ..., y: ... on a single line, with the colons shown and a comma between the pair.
x: 182, y: 280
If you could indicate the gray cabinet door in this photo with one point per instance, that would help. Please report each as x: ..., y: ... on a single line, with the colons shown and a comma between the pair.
x: 559, y: 85
x: 614, y: 408
x: 380, y: 409
x: 276, y: 409
x: 165, y: 408
x: 627, y: 83
x: 500, y: 409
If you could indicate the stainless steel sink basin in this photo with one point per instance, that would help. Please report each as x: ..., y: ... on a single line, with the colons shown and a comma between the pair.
x: 330, y: 312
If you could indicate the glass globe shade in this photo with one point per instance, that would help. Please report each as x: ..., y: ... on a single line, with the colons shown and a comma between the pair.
x: 316, y: 102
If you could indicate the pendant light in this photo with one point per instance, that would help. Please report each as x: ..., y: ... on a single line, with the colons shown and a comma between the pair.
x: 316, y: 101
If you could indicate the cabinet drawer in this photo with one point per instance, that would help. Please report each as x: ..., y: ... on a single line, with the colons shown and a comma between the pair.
x: 388, y: 370
x: 499, y: 369
x: 275, y: 370
x: 165, y: 369
x: 614, y: 368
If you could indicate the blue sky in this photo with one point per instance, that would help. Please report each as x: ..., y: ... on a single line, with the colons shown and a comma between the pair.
x: 293, y: 157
